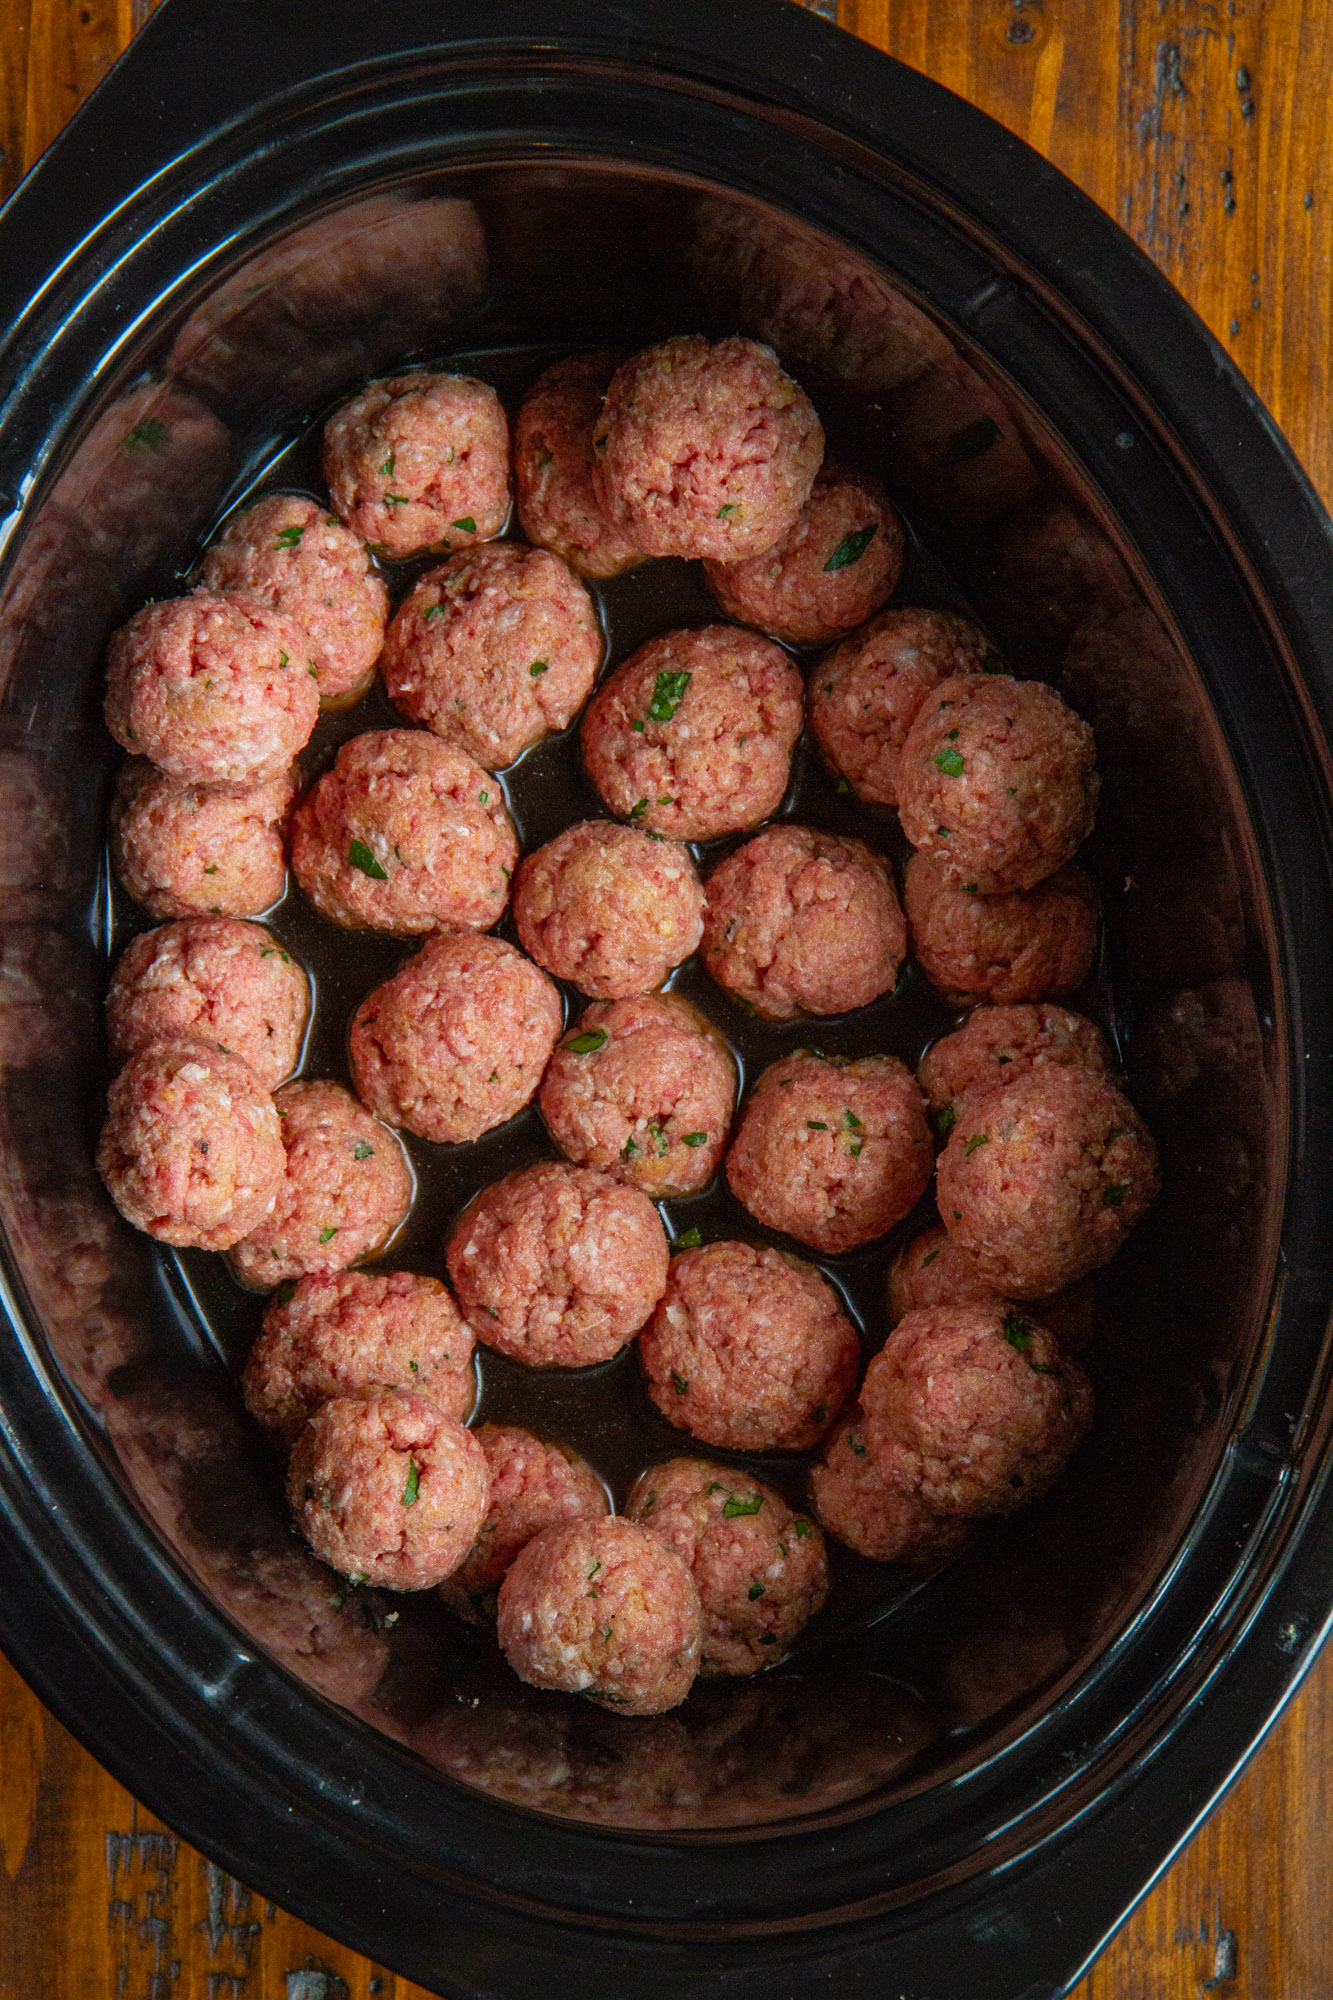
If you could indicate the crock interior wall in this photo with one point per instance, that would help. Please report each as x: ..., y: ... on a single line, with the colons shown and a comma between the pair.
x: 588, y: 256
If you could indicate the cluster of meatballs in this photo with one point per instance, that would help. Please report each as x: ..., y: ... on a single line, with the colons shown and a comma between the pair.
x: 366, y: 1378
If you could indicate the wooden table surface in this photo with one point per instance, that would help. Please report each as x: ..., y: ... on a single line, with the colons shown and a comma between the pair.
x: 1200, y: 125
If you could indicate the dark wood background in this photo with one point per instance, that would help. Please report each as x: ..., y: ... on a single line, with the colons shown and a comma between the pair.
x: 1203, y: 126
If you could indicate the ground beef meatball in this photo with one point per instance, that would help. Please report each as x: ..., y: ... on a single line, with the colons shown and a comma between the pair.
x: 693, y: 735
x: 346, y: 1189
x: 879, y: 1514
x: 932, y: 1271
x: 1030, y: 944
x: 181, y: 850
x: 191, y: 1150
x: 212, y: 979
x: 831, y: 570
x: 348, y: 1333
x: 800, y: 922
x: 997, y: 1045
x: 456, y: 1042
x: 494, y: 650
x: 387, y: 1489
x: 705, y: 448
x: 866, y: 694
x: 291, y: 555
x: 643, y: 1089
x: 981, y: 1403
x: 553, y: 467
x: 761, y: 1571
x: 558, y: 1266
x: 405, y: 834
x: 533, y: 1486
x: 997, y: 782
x: 609, y: 908
x: 1041, y: 1183
x: 749, y: 1349
x: 420, y: 462
x: 214, y: 690
x: 602, y: 1608
x: 833, y: 1152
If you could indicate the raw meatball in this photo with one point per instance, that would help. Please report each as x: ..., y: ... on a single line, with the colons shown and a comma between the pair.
x: 882, y: 1517
x: 997, y: 782
x: 706, y: 448
x: 997, y: 1045
x: 604, y: 1609
x: 387, y: 1489
x: 692, y: 736
x: 456, y: 1042
x: 214, y: 690
x: 749, y: 1349
x: 800, y: 922
x: 212, y: 979
x: 191, y: 1150
x: 346, y: 1189
x: 831, y: 570
x: 183, y: 849
x: 405, y: 834
x: 346, y: 1333
x: 608, y: 908
x: 1041, y: 1183
x: 292, y: 556
x: 420, y: 462
x: 533, y: 1486
x: 981, y: 1403
x: 1030, y: 944
x: 494, y: 650
x: 866, y: 694
x: 553, y: 467
x: 645, y: 1090
x: 833, y: 1152
x: 932, y: 1271
x: 558, y: 1266
x: 760, y: 1570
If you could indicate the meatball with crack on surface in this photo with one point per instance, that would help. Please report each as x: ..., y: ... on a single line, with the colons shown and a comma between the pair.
x: 1028, y: 944
x: 212, y: 979
x: 608, y: 908
x: 831, y: 570
x: 534, y: 1485
x: 186, y: 850
x: 420, y: 462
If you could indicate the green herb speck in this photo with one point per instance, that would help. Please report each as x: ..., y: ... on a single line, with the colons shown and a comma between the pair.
x: 755, y: 1590
x: 803, y: 1529
x: 538, y: 667
x: 977, y: 1139
x: 929, y: 1258
x: 949, y: 761
x: 149, y: 433
x: 678, y: 1383
x: 690, y: 1240
x: 588, y: 1043
x: 1017, y: 1331
x: 413, y: 1486
x: 668, y: 694
x: 466, y: 524
x: 852, y: 547
x: 361, y: 857
x: 362, y: 1150
x: 693, y: 1138
x: 1113, y: 1196
x: 286, y: 1292
x: 733, y: 1505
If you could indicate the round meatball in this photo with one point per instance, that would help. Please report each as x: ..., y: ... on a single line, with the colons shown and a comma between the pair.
x: 387, y: 1489
x: 833, y: 1152
x: 420, y: 462
x: 346, y: 1333
x: 981, y: 1404
x: 1041, y: 1183
x: 643, y: 1089
x: 558, y: 1266
x: 879, y: 1514
x: 533, y: 1486
x: 608, y: 908
x: 405, y: 834
x: 866, y: 694
x: 997, y: 782
x: 705, y: 448
x: 932, y: 1271
x: 212, y: 979
x: 749, y: 1349
x: 761, y: 1571
x: 553, y: 467
x: 997, y: 1045
x: 800, y: 922
x: 456, y: 1042
x: 214, y: 690
x: 181, y: 850
x: 604, y: 1609
x: 346, y: 1189
x: 693, y: 735
x: 832, y: 569
x: 292, y: 556
x: 1030, y: 944
x: 191, y: 1151
x: 494, y: 650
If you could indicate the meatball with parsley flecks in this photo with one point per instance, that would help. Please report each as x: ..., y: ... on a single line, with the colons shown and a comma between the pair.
x: 212, y: 979
x: 420, y: 462
x: 534, y: 1485
x: 832, y: 569
x: 189, y: 850
x: 608, y: 908
x: 553, y: 467
x: 1026, y: 944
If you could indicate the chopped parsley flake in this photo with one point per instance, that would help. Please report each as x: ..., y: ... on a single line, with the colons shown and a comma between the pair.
x: 680, y: 1385
x: 854, y: 1147
x: 538, y: 667
x: 415, y: 1368
x: 661, y: 1144
x: 815, y: 1125
x: 362, y: 1150
x: 361, y: 857
x: 693, y: 1138
x: 637, y: 727
x: 587, y: 1044
x: 630, y: 1148
x: 377, y: 548
x: 396, y: 500
x: 970, y: 889
x: 387, y: 468
x: 1113, y: 1196
x: 282, y: 658
x: 972, y: 441
x: 149, y: 433
x: 715, y: 1486
x: 729, y: 507
x: 1017, y: 1331
x: 732, y: 1506
x: 286, y: 1292
x: 290, y: 537
x: 413, y: 1485
x: 852, y: 547
x: 482, y: 798
x: 668, y: 694
x: 329, y: 1231
x: 690, y: 1240
x: 435, y: 611
x: 859, y: 1449
x: 597, y: 1564
x: 803, y: 1529
x: 637, y: 811
x: 949, y: 761
x: 944, y: 1119
x: 755, y: 1590
x: 929, y: 1258
x: 853, y: 1122
x: 977, y: 1139
x: 843, y: 787
x: 467, y: 525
